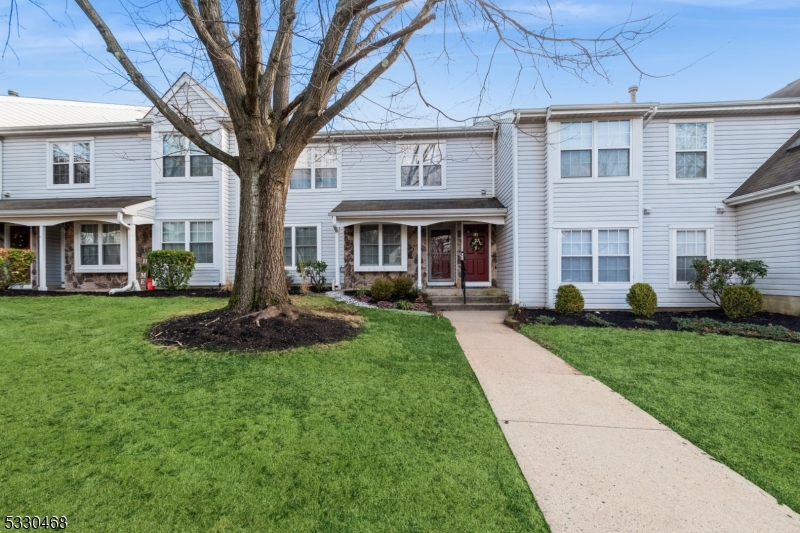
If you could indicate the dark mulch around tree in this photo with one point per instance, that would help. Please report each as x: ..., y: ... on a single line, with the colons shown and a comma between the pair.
x: 220, y: 330
x: 663, y: 320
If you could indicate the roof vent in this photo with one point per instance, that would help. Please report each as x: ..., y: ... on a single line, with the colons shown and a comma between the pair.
x: 12, y: 93
x: 795, y: 145
x: 632, y: 90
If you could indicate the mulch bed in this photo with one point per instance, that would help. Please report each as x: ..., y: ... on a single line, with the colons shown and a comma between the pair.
x: 220, y: 330
x: 626, y: 319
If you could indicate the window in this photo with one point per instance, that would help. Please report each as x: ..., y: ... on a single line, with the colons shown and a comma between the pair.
x: 689, y: 245
x: 316, y: 168
x: 605, y: 251
x: 99, y: 247
x: 614, y: 148
x: 300, y: 243
x: 576, y: 256
x: 576, y: 150
x: 200, y: 242
x: 180, y: 154
x: 614, y: 260
x: 420, y: 165
x: 70, y: 163
x: 611, y: 150
x: 380, y: 247
x: 691, y: 151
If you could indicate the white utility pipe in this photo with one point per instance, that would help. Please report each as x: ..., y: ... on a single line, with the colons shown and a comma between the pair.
x: 132, y: 283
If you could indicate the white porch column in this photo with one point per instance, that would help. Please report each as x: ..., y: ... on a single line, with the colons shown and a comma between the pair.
x: 419, y: 257
x: 132, y: 273
x: 336, y: 282
x: 41, y: 271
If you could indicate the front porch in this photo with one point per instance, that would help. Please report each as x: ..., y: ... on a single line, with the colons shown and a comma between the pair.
x: 80, y: 244
x: 423, y: 239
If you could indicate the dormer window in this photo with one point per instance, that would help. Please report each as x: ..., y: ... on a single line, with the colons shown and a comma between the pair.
x: 179, y: 155
x: 71, y: 163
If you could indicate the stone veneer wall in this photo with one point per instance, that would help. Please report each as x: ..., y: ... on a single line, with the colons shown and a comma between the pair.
x: 357, y: 280
x: 88, y: 281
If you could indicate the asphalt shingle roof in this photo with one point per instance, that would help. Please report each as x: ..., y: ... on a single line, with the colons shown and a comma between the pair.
x: 782, y: 168
x: 118, y: 202
x: 790, y: 91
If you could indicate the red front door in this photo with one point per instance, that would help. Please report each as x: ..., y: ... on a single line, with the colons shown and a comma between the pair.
x: 476, y: 252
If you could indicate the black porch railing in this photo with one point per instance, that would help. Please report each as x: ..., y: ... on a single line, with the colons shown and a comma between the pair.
x: 463, y: 278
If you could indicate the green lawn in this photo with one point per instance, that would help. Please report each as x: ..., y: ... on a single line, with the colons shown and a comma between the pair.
x: 738, y: 399
x: 388, y: 432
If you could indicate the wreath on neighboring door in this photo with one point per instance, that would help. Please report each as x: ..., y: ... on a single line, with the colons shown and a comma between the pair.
x: 476, y: 243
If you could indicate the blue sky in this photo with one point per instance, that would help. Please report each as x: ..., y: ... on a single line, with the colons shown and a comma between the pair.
x: 728, y: 50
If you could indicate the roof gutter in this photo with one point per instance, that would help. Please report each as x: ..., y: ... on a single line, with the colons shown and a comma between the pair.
x: 422, y: 213
x: 137, y: 125
x: 766, y: 193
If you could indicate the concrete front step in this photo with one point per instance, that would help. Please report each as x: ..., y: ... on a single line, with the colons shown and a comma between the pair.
x: 471, y: 298
x: 433, y: 292
x: 471, y: 307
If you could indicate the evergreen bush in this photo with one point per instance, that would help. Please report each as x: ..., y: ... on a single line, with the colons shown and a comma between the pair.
x: 403, y: 286
x: 15, y: 267
x: 740, y: 301
x: 382, y: 289
x: 171, y: 269
x: 642, y: 299
x: 569, y: 300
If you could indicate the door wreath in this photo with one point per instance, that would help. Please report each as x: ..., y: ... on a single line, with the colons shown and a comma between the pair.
x: 476, y: 243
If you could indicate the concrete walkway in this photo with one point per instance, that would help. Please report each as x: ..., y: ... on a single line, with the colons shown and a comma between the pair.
x: 594, y: 461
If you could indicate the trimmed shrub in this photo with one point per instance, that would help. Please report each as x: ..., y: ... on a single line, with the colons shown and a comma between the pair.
x: 569, y: 300
x: 15, y: 267
x: 739, y: 301
x: 381, y: 289
x: 642, y: 299
x: 171, y: 269
x: 713, y: 275
x: 403, y: 286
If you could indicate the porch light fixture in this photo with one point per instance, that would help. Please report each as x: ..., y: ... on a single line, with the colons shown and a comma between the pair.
x: 720, y: 209
x: 647, y: 210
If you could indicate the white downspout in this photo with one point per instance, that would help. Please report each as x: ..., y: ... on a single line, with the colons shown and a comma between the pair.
x: 336, y: 282
x: 419, y: 257
x: 515, y: 201
x: 494, y: 171
x: 1, y: 175
x: 132, y: 283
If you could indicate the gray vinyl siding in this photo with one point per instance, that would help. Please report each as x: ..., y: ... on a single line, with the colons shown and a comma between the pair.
x: 532, y: 222
x: 769, y: 230
x: 504, y: 191
x: 186, y: 200
x: 121, y: 167
x: 53, y: 256
x: 741, y: 145
x: 615, y: 203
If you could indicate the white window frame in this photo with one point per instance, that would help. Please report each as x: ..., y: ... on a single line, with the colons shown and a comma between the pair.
x: 595, y: 151
x: 398, y: 164
x: 596, y: 257
x: 293, y: 266
x: 402, y: 267
x: 71, y: 184
x: 709, y: 152
x: 188, y: 236
x: 123, y: 244
x: 313, y: 188
x: 673, y: 250
x: 187, y: 165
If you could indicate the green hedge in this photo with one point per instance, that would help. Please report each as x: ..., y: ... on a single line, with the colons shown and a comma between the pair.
x: 569, y: 300
x: 15, y: 267
x: 171, y: 269
x: 642, y: 299
x: 403, y: 286
x: 741, y: 301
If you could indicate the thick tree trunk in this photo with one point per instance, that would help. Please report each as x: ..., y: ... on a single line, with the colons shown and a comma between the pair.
x: 260, y: 277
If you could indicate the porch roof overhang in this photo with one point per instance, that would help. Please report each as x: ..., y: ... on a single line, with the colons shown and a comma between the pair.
x: 423, y: 212
x: 52, y: 211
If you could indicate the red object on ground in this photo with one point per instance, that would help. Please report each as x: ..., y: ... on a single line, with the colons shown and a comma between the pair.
x: 150, y: 285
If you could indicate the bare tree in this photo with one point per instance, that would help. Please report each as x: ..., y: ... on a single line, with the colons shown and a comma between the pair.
x: 287, y: 69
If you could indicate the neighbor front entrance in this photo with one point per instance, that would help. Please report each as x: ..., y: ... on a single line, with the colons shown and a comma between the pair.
x: 476, y: 253
x: 441, y: 255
